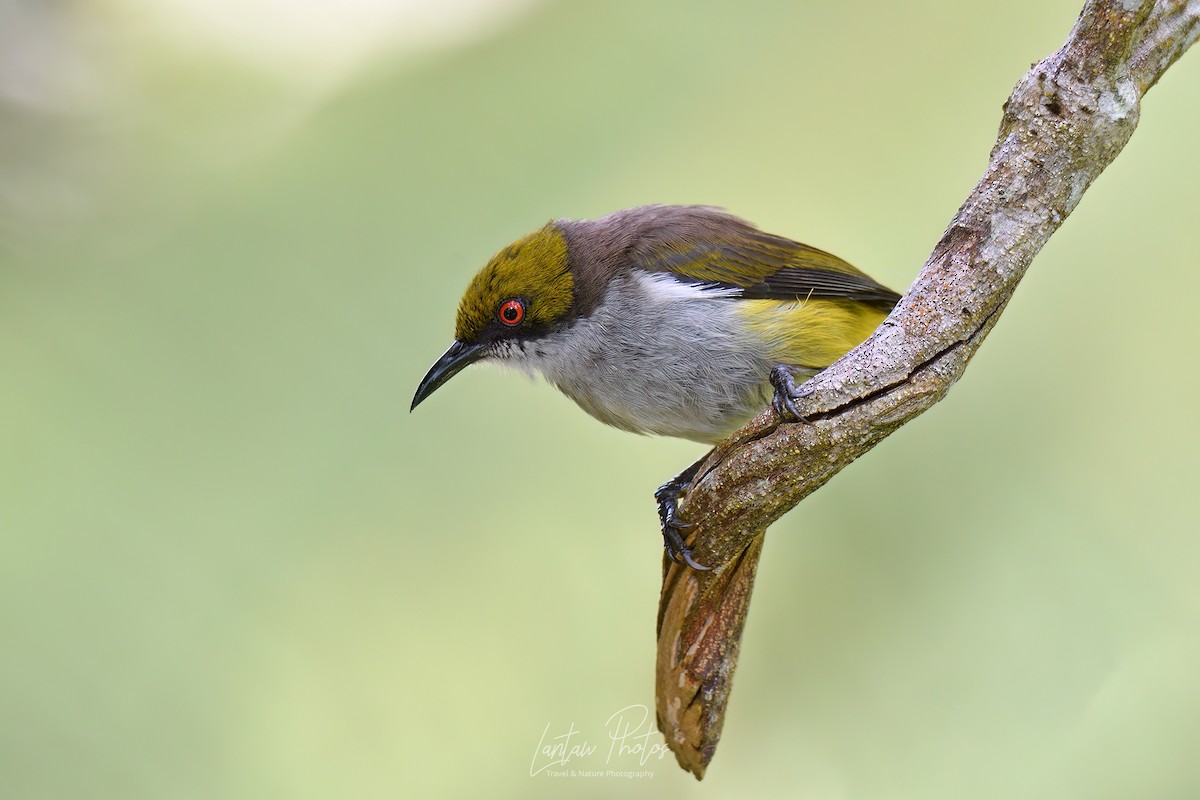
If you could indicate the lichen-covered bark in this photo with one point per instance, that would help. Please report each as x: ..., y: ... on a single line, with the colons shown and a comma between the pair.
x: 1065, y: 121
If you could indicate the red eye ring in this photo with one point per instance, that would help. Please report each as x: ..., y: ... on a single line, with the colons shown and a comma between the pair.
x: 511, y: 312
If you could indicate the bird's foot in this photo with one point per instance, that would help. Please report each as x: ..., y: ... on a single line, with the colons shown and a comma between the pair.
x: 787, y: 394
x: 668, y: 515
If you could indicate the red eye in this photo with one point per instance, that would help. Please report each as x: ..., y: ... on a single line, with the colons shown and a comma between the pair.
x: 511, y: 312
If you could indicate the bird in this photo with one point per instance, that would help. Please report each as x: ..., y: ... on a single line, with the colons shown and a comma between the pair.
x: 669, y: 320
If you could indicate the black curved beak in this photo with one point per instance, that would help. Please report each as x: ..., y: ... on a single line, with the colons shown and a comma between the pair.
x: 450, y: 364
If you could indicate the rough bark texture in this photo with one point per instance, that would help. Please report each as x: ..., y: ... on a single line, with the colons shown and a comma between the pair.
x: 1066, y: 120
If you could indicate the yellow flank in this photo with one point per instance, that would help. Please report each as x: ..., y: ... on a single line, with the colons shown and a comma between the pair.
x: 810, y: 333
x: 533, y: 269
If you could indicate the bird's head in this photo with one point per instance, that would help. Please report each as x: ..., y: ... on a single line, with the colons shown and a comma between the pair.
x: 526, y: 291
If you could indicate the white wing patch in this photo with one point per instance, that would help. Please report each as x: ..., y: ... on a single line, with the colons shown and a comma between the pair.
x: 665, y: 287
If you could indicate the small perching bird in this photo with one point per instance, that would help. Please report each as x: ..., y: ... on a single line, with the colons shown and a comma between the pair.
x: 673, y: 320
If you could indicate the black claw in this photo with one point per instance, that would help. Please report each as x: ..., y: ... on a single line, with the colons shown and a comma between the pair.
x: 786, y: 395
x: 673, y: 541
x: 678, y: 551
x: 686, y: 554
x: 668, y: 515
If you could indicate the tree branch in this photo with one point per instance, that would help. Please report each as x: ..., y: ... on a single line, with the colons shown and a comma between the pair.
x: 1066, y: 120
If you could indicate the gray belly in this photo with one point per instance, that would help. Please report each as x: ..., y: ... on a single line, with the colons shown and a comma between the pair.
x: 697, y: 406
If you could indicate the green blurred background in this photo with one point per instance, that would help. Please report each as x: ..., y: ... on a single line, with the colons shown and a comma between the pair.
x: 232, y: 565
